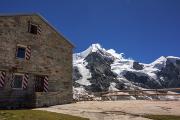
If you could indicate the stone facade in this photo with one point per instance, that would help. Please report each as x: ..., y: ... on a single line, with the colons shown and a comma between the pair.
x: 50, y: 55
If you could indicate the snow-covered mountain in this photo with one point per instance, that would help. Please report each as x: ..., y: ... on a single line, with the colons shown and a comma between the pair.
x: 97, y: 69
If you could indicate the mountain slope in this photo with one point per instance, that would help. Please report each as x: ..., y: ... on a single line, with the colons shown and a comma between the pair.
x: 97, y: 69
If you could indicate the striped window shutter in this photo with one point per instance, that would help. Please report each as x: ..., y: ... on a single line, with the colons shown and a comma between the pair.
x: 39, y: 30
x: 2, y: 78
x: 46, y: 84
x: 28, y: 52
x: 25, y: 81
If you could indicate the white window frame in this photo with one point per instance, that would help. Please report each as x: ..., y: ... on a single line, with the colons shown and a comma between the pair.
x: 18, y: 74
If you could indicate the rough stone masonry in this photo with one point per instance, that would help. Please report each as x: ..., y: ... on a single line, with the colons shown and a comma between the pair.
x: 35, y: 63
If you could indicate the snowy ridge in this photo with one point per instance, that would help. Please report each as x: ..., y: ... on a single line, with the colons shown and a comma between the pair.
x: 173, y: 59
x: 84, y: 54
x: 97, y: 48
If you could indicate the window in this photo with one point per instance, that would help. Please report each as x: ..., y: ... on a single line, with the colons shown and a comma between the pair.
x: 33, y: 29
x: 17, y: 82
x: 39, y: 83
x: 21, y: 52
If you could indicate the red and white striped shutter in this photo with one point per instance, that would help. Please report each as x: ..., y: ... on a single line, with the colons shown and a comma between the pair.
x: 2, y: 78
x: 46, y: 84
x: 39, y: 30
x: 28, y: 53
x: 25, y: 81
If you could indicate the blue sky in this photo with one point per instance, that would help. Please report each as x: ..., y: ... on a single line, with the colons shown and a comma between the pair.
x: 142, y: 29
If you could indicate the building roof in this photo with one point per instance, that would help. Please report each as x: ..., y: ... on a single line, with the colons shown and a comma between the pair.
x: 43, y: 19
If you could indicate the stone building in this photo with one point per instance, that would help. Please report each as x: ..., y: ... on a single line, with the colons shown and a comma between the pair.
x: 35, y: 63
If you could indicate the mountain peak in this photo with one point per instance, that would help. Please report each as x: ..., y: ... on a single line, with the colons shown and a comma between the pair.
x: 92, y: 48
x: 159, y: 60
x: 98, y: 48
x: 95, y: 47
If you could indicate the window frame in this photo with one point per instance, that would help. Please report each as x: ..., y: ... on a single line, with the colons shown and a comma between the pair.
x: 17, y: 74
x: 21, y: 46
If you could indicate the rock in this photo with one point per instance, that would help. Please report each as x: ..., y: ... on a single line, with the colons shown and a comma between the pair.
x: 142, y: 81
x: 101, y: 73
x: 76, y: 74
x: 170, y: 73
x: 137, y: 66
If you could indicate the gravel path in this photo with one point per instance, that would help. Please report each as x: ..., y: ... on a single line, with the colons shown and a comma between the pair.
x: 117, y: 110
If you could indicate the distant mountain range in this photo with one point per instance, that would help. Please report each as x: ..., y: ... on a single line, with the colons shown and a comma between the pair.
x: 97, y: 69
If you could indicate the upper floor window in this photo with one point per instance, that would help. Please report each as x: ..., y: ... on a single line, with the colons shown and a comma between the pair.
x: 21, y: 51
x: 33, y: 29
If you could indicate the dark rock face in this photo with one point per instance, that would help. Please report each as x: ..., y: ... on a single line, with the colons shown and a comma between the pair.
x: 76, y: 74
x: 142, y: 81
x: 137, y: 66
x: 101, y: 73
x: 171, y: 75
x: 178, y: 62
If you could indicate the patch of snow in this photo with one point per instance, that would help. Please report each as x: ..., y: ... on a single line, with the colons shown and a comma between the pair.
x: 150, y: 71
x: 121, y: 65
x: 173, y: 57
x: 169, y: 98
x: 113, y: 53
x: 162, y: 78
x: 78, y: 92
x: 86, y: 74
x: 132, y: 98
x: 112, y: 87
x: 159, y: 63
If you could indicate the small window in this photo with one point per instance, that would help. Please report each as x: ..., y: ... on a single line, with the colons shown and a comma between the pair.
x: 33, y: 29
x: 21, y: 52
x: 39, y: 83
x: 17, y: 82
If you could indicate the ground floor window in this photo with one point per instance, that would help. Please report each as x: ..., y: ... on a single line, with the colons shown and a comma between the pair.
x: 39, y: 83
x: 17, y: 81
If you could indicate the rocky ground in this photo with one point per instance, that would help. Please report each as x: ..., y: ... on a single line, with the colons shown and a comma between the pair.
x: 117, y: 110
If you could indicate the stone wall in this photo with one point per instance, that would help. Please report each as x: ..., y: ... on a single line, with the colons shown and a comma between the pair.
x: 51, y: 55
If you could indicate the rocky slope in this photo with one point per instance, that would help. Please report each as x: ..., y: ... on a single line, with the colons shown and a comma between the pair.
x: 97, y: 69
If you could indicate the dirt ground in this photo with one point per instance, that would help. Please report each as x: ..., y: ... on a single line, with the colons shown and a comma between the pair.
x: 117, y: 110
